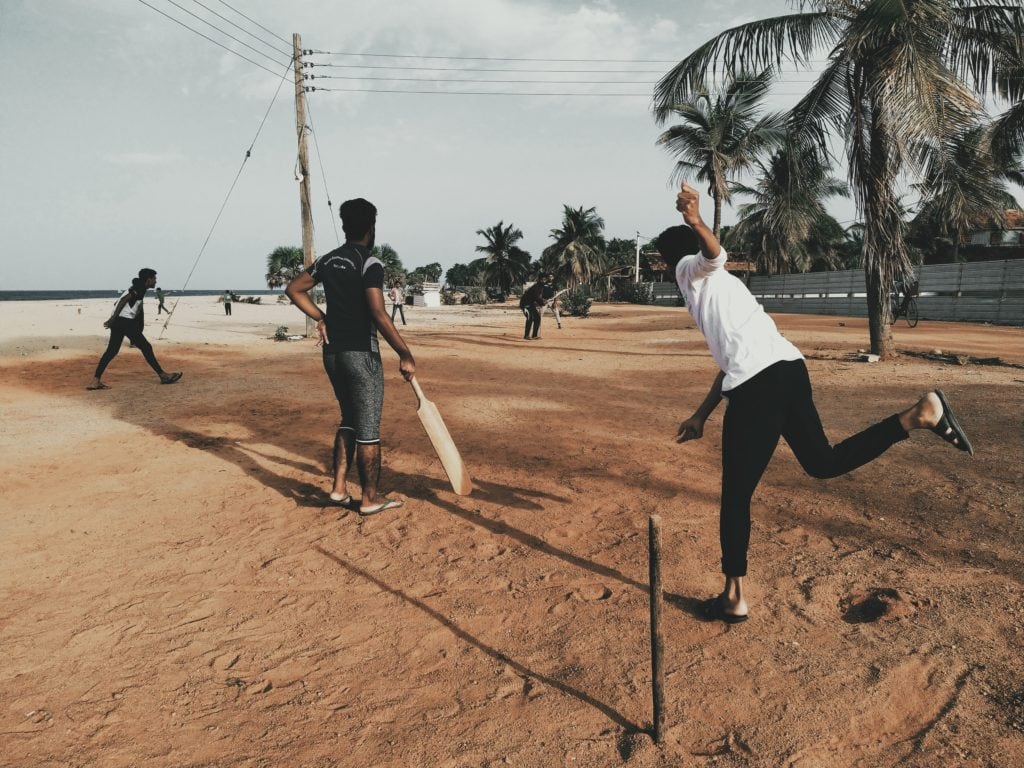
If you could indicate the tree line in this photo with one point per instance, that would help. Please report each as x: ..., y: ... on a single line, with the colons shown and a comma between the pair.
x: 903, y: 94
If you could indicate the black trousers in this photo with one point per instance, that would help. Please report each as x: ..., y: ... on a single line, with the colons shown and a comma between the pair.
x: 532, y: 321
x: 777, y: 403
x: 121, y: 328
x: 397, y: 308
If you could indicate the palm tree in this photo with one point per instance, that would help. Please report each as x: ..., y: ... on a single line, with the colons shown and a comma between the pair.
x: 786, y: 228
x: 900, y: 75
x: 963, y: 185
x: 507, y: 264
x: 577, y: 252
x: 393, y: 269
x: 721, y: 134
x: 283, y: 265
x: 1007, y: 134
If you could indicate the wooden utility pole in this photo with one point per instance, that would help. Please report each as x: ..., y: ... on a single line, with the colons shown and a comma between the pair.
x: 308, y: 251
x: 636, y: 275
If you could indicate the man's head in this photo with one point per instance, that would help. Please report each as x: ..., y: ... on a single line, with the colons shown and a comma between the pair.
x: 675, y: 243
x: 147, y: 277
x: 358, y: 219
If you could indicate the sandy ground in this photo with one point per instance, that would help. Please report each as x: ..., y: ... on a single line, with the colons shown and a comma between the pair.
x: 175, y: 591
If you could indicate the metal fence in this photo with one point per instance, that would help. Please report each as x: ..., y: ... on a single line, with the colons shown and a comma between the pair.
x: 985, y: 291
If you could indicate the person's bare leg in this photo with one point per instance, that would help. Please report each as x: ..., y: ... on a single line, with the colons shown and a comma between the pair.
x: 732, y: 596
x: 344, y: 450
x: 368, y: 464
x: 924, y: 414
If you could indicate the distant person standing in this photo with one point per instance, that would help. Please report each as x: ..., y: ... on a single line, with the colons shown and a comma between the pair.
x: 227, y: 303
x: 160, y: 298
x: 127, y: 320
x: 531, y: 303
x: 353, y: 280
x: 397, y: 296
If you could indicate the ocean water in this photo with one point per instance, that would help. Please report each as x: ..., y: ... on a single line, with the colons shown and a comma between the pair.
x: 113, y: 294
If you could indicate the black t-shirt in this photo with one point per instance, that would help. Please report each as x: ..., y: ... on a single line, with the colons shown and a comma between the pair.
x: 533, y: 297
x: 346, y: 273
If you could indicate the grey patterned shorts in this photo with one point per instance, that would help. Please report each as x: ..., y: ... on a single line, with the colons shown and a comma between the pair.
x: 358, y: 381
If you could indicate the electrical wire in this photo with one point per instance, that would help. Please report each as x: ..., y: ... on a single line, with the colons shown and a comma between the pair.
x: 289, y: 54
x: 484, y: 69
x: 248, y: 154
x: 466, y: 93
x: 196, y: 31
x: 489, y: 58
x: 226, y: 34
x: 289, y: 42
x: 477, y: 80
x: 323, y: 173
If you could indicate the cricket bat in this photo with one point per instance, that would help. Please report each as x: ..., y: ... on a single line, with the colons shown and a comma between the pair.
x: 443, y: 444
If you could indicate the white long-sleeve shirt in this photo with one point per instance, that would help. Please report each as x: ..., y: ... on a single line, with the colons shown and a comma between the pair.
x: 742, y: 338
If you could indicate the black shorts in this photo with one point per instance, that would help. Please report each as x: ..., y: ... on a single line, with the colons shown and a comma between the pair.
x: 358, y: 381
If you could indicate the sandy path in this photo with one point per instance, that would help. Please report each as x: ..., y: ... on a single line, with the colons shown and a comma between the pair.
x: 176, y: 593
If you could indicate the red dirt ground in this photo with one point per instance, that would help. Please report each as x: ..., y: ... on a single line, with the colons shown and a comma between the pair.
x: 176, y: 593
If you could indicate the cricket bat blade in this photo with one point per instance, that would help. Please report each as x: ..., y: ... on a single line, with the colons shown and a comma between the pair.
x: 442, y: 441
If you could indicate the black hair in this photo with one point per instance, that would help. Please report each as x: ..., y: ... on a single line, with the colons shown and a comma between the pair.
x: 676, y: 242
x: 139, y: 283
x: 357, y: 216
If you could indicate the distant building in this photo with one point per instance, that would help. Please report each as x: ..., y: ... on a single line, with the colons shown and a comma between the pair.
x: 991, y: 243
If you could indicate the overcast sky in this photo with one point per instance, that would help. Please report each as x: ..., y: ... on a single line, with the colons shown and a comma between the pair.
x: 121, y: 131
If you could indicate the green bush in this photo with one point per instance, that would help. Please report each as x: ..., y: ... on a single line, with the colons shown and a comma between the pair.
x: 635, y: 293
x: 449, y: 296
x: 281, y: 334
x: 577, y: 302
x: 475, y: 295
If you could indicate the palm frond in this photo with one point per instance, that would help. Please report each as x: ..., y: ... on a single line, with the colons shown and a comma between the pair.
x: 755, y: 47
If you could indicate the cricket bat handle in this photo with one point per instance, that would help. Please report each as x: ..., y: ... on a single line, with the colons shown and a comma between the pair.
x: 416, y: 388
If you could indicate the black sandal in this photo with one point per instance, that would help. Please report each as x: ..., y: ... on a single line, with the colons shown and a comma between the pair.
x: 949, y: 428
x: 712, y: 609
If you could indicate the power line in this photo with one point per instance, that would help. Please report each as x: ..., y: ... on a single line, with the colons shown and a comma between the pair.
x: 287, y: 42
x: 483, y: 69
x: 196, y: 31
x: 472, y: 80
x: 491, y: 58
x: 248, y: 154
x: 226, y: 34
x: 467, y: 93
x: 318, y: 88
x: 243, y: 29
x: 471, y: 70
x: 323, y: 173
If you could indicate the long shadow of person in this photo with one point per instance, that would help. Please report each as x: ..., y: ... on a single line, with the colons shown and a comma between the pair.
x: 611, y: 713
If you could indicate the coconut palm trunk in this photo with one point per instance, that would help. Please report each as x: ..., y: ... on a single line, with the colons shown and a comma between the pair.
x: 717, y: 228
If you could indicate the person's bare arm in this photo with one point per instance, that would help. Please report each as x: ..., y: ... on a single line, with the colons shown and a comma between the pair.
x: 380, y: 317
x: 298, y: 291
x: 688, y: 204
x: 693, y: 427
x: 117, y: 311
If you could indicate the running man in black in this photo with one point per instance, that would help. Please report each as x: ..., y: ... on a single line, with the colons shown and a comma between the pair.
x: 764, y: 378
x: 353, y: 281
x: 128, y: 320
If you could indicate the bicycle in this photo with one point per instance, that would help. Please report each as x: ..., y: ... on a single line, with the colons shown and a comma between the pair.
x: 905, y: 308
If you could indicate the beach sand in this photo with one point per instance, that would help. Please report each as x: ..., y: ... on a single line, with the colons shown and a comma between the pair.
x: 176, y: 590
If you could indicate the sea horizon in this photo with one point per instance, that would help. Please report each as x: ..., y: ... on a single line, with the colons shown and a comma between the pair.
x: 113, y: 293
